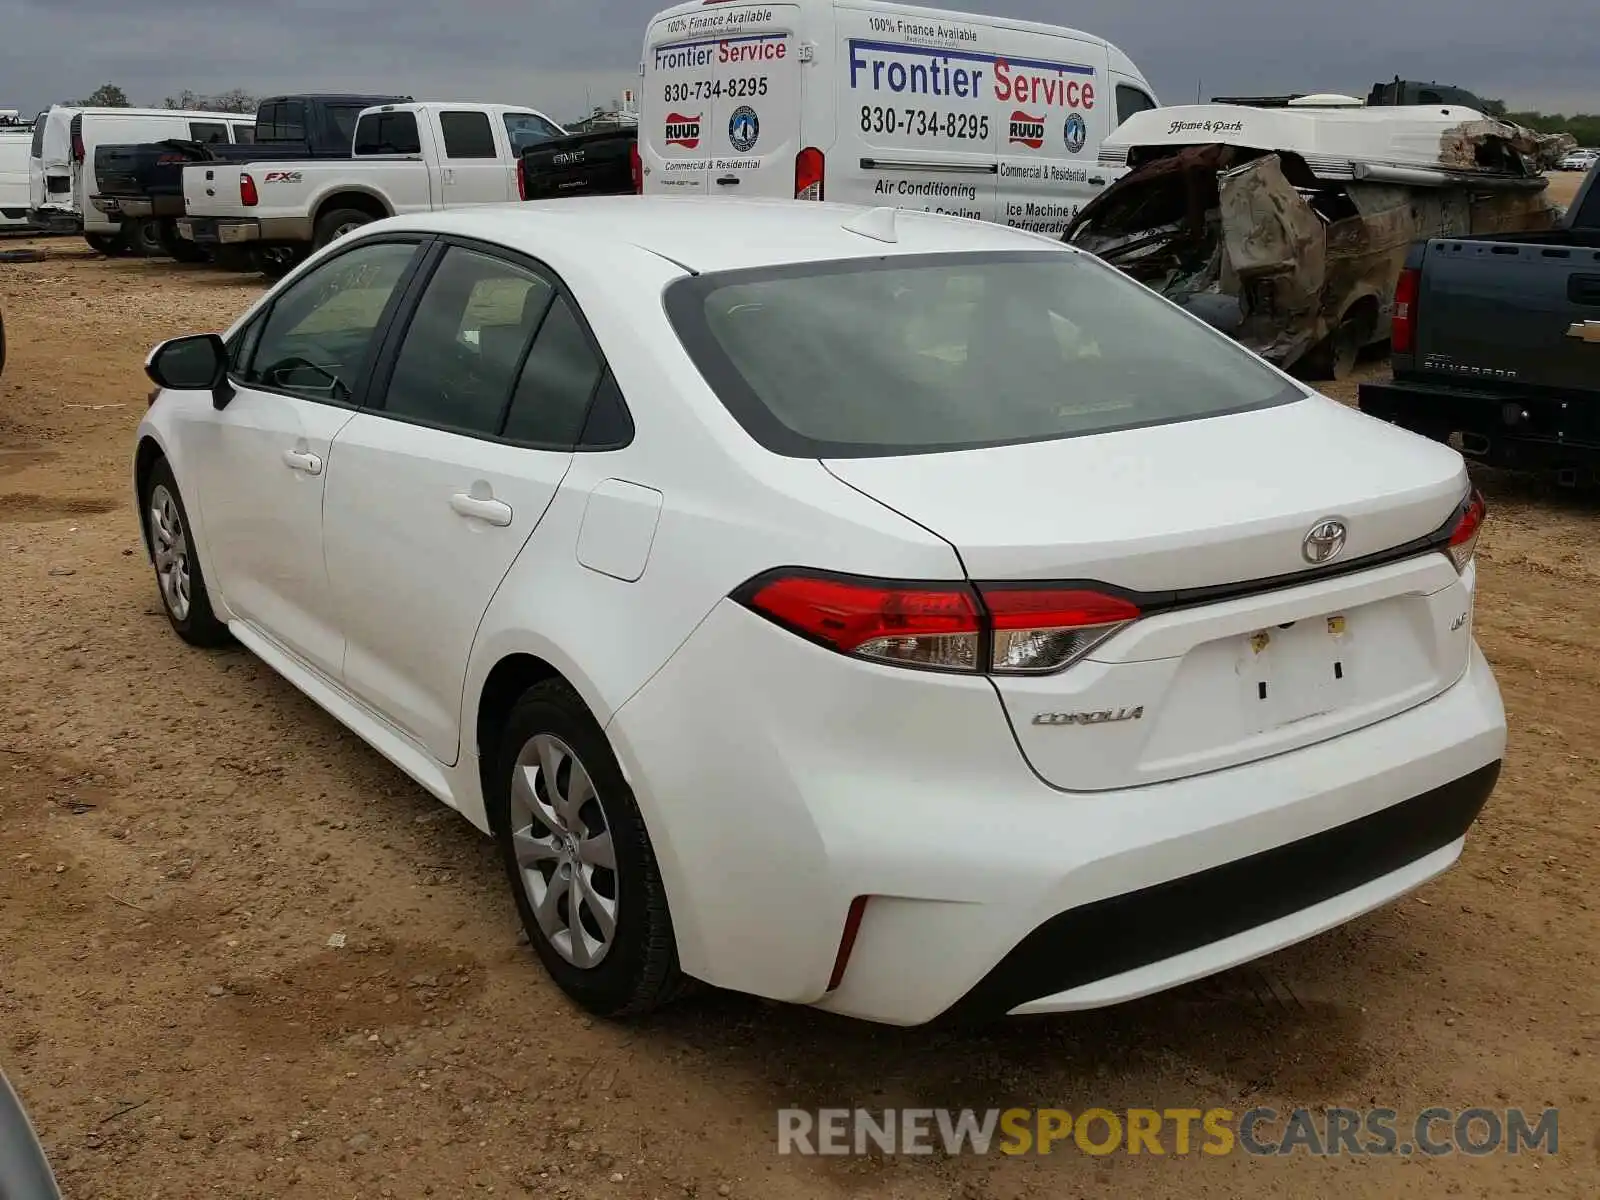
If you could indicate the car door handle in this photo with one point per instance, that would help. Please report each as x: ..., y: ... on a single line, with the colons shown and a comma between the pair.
x: 728, y: 181
x: 1097, y: 180
x: 493, y: 512
x: 302, y: 460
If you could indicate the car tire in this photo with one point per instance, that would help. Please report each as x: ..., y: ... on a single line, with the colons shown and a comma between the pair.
x: 334, y: 225
x: 112, y: 245
x: 555, y: 846
x: 144, y: 237
x: 177, y: 248
x: 179, y: 578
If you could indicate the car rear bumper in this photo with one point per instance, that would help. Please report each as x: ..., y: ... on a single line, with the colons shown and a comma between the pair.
x: 1503, y: 429
x: 239, y: 231
x: 778, y: 793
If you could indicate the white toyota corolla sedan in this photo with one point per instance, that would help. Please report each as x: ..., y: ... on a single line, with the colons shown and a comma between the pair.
x: 888, y: 612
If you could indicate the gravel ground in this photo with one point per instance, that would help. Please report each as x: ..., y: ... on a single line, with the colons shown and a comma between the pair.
x: 240, y: 955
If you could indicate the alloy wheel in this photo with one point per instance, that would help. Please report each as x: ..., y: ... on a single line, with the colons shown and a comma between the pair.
x: 565, y: 858
x: 171, y: 545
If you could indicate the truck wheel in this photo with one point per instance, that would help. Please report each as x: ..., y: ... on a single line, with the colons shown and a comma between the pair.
x: 143, y: 236
x: 277, y: 261
x: 179, y: 249
x: 112, y: 245
x: 338, y: 223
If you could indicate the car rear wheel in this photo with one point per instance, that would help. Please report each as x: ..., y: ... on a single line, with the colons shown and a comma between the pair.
x: 334, y: 225
x: 179, y: 578
x: 144, y: 236
x: 177, y: 248
x: 579, y: 859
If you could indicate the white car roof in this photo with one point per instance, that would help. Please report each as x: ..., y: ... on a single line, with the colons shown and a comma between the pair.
x: 716, y: 234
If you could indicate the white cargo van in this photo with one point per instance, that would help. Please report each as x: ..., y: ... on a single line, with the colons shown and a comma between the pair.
x: 877, y: 103
x: 14, y: 142
x: 61, y: 169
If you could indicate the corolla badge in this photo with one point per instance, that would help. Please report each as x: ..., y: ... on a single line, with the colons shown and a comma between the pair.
x: 1324, y: 542
x: 1089, y: 718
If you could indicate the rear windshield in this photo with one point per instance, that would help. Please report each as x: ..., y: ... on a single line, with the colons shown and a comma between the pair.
x: 919, y: 354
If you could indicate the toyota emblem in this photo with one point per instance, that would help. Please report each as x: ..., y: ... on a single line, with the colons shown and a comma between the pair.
x: 1324, y: 542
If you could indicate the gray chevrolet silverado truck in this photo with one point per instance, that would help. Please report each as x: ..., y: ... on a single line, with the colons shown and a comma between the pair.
x: 1497, y: 340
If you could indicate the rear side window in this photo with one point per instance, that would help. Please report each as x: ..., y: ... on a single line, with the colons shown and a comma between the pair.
x: 1131, y: 100
x: 209, y: 132
x: 873, y: 357
x: 557, y: 382
x: 467, y: 135
x: 388, y: 133
x: 284, y: 121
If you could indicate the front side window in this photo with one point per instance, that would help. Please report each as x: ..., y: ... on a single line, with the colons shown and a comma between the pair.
x: 885, y: 356
x: 244, y: 134
x: 316, y: 340
x: 209, y: 132
x: 467, y: 135
x: 388, y: 133
x: 465, y: 343
x: 342, y: 117
x: 529, y: 129
x: 1131, y: 100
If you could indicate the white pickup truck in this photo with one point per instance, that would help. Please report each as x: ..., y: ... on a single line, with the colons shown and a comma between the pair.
x: 406, y: 158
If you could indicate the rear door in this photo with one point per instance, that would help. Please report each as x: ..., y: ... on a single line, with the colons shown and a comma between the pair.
x: 722, y: 102
x: 452, y: 468
x: 474, y: 159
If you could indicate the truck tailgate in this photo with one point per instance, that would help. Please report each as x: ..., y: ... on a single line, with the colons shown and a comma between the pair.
x: 1500, y: 312
x: 211, y: 189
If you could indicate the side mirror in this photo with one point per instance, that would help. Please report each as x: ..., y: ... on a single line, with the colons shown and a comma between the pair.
x: 197, y: 363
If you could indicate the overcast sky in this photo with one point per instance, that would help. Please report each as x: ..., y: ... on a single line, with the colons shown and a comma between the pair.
x: 559, y: 54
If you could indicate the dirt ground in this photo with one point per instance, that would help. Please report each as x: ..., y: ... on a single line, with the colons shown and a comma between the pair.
x: 182, y: 837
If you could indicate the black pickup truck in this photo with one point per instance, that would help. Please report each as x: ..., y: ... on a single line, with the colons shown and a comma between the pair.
x: 603, y: 163
x: 143, y: 184
x: 1496, y: 340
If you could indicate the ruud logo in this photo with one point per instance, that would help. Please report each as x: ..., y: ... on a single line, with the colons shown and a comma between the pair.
x: 1027, y: 131
x: 1324, y: 542
x: 683, y: 131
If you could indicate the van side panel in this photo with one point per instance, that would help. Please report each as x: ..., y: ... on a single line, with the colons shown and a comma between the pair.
x: 960, y: 115
x: 720, y: 110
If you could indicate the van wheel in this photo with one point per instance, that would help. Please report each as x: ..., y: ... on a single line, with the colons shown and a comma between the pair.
x: 339, y: 222
x: 581, y: 866
x: 112, y: 245
x: 144, y: 237
x: 277, y: 261
x: 179, y: 249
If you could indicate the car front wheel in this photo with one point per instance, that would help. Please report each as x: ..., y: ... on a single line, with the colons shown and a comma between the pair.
x: 581, y: 866
x: 178, y: 576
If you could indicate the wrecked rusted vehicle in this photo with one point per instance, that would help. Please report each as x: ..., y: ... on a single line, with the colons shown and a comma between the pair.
x: 1287, y: 227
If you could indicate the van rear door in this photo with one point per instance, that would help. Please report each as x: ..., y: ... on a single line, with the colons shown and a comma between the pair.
x: 721, y: 105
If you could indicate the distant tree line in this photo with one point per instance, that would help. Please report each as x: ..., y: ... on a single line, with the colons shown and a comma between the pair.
x: 109, y: 95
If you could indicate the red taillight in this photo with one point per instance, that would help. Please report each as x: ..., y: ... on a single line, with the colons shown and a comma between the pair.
x: 636, y: 169
x: 522, y: 182
x: 247, y: 191
x: 994, y: 628
x: 1043, y: 629
x: 808, y: 168
x: 1403, y: 325
x: 1464, y: 537
x: 78, y: 151
x: 166, y: 160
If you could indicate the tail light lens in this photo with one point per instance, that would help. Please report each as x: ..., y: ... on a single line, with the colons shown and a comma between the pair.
x: 166, y: 160
x: 522, y: 182
x: 808, y: 168
x: 247, y: 191
x: 1464, y: 537
x: 996, y: 629
x: 1403, y: 325
x: 636, y: 168
x: 78, y: 151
